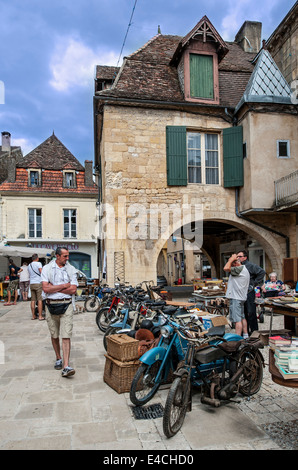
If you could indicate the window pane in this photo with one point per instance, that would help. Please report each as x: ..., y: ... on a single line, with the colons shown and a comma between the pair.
x: 211, y: 142
x: 194, y: 175
x: 211, y: 159
x: 211, y: 176
x: 283, y: 149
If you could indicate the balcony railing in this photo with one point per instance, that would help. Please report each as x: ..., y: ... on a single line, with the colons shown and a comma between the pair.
x: 286, y: 189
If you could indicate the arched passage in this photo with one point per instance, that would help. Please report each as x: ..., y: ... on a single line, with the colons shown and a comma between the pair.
x: 215, y: 229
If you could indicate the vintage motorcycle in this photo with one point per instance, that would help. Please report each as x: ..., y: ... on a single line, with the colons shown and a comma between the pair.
x: 160, y: 361
x: 222, y: 365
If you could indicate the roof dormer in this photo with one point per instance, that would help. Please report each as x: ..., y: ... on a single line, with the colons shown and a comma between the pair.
x: 196, y: 58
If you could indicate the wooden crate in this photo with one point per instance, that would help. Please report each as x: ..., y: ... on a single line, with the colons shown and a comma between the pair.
x: 119, y: 375
x: 122, y: 347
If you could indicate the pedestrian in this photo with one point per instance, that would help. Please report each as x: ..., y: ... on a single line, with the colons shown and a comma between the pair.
x: 24, y: 280
x: 237, y: 289
x: 34, y: 269
x: 59, y: 284
x: 13, y: 284
x: 256, y: 279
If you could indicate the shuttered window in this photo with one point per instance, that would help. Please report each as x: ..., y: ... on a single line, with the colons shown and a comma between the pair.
x: 233, y: 156
x: 201, y: 76
x: 192, y: 157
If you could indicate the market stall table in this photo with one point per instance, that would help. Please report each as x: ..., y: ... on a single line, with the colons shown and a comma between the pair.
x: 290, y: 312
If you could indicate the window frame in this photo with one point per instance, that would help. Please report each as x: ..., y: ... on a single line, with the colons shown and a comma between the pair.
x: 67, y: 234
x: 287, y: 141
x: 203, y: 151
x: 188, y: 97
x: 38, y: 175
x: 35, y: 223
x: 65, y: 183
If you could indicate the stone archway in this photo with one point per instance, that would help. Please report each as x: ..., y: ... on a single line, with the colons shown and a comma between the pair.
x: 273, y: 245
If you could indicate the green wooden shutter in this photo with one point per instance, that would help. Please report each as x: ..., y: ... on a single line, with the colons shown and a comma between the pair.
x: 176, y: 156
x: 233, y: 157
x: 201, y: 76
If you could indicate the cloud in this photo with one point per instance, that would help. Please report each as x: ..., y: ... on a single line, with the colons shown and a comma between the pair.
x: 244, y: 10
x: 25, y: 144
x: 73, y: 64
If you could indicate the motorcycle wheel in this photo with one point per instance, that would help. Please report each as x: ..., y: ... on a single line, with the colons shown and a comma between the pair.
x: 143, y: 387
x: 251, y: 379
x: 176, y: 407
x: 92, y: 304
x: 110, y: 331
x: 104, y: 317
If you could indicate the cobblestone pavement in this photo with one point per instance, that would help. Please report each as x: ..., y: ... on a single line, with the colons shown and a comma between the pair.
x: 41, y: 410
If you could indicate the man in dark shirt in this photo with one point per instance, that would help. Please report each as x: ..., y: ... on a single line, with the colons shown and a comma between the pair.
x: 256, y: 279
x: 13, y: 285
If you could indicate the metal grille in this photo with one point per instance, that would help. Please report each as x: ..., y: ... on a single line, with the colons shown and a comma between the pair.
x: 119, y: 266
x: 148, y: 412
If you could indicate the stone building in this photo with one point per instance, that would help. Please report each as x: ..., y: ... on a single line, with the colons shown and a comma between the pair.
x: 49, y: 200
x: 190, y: 138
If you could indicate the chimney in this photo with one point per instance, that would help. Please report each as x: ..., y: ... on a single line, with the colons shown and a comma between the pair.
x: 6, y: 141
x: 249, y: 36
x: 88, y: 173
x: 11, y: 169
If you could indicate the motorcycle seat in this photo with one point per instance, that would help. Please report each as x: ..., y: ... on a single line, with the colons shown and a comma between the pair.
x: 230, y: 346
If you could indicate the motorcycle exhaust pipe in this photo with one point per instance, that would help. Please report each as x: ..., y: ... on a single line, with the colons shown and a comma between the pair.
x: 210, y: 401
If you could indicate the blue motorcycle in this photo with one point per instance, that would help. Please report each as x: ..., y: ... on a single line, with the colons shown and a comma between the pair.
x: 158, y: 362
x: 221, y: 365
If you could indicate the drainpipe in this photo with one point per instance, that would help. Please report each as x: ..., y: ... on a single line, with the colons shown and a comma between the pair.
x: 261, y: 225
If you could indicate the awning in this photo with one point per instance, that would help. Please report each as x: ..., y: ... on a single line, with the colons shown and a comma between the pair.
x: 25, y: 252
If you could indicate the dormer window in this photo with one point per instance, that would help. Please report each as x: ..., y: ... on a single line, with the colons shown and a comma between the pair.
x: 201, y: 76
x: 197, y: 57
x: 34, y: 178
x: 69, y: 179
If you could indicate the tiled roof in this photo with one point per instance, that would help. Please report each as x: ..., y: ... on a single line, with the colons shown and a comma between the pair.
x: 147, y: 74
x: 52, y: 182
x: 50, y: 155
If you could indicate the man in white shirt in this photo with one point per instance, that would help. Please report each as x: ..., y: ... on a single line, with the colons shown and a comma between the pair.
x: 237, y: 293
x: 34, y: 270
x: 59, y: 283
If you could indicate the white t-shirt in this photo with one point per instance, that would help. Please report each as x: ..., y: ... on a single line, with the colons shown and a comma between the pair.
x: 24, y: 274
x: 60, y: 276
x: 35, y: 275
x: 238, y: 283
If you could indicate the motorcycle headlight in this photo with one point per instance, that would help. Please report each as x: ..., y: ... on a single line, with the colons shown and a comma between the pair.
x: 165, y: 331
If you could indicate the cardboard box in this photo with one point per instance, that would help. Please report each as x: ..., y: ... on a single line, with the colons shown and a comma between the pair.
x: 210, y: 320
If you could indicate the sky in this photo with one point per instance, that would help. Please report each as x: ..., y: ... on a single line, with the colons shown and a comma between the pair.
x: 49, y: 50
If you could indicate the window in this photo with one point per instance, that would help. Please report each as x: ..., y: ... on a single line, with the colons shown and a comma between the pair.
x: 35, y: 223
x: 201, y: 76
x: 70, y: 223
x: 69, y: 179
x: 202, y: 157
x: 34, y: 178
x: 283, y: 149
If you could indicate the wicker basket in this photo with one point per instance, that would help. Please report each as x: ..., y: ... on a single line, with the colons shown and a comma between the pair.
x: 118, y: 375
x: 122, y: 347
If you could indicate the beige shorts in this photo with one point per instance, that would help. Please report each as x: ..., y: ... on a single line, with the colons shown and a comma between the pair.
x: 60, y: 325
x: 36, y: 292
